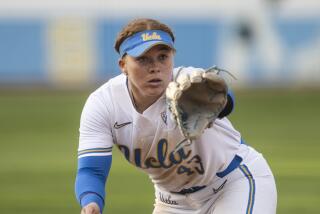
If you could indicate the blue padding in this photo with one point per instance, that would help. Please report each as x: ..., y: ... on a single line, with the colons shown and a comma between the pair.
x: 91, y: 178
x: 233, y: 165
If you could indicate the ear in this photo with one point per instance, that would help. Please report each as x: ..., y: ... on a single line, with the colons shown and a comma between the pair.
x: 122, y: 65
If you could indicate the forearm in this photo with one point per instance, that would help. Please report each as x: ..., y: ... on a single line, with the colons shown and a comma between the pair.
x: 91, y: 178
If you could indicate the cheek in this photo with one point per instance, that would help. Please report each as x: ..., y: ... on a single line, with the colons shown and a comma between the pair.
x: 134, y: 71
x: 136, y: 76
x: 169, y: 71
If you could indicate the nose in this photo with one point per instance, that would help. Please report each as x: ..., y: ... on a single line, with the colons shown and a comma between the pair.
x: 153, y: 66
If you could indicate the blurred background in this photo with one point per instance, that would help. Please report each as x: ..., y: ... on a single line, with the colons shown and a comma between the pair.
x: 53, y: 54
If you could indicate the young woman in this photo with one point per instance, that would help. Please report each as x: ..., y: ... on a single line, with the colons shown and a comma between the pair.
x: 216, y: 174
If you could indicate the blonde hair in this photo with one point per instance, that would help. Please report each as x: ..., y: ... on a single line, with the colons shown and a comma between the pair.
x: 138, y: 25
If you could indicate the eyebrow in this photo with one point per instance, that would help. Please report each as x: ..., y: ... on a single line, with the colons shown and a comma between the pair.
x: 165, y: 48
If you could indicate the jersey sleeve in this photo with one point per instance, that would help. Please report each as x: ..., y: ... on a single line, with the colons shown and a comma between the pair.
x: 94, y: 151
x: 95, y: 130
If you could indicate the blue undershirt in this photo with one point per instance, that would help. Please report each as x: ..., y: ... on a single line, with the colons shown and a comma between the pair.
x: 91, y: 179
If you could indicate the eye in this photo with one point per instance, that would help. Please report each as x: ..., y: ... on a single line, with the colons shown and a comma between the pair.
x: 163, y: 57
x: 142, y: 59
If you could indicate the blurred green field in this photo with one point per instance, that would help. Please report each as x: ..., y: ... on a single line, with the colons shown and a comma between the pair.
x: 39, y: 137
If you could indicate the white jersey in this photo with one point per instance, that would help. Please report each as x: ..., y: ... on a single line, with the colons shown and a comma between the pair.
x: 148, y: 140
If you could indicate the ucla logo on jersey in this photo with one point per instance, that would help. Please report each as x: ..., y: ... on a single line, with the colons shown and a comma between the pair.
x: 166, y: 159
x: 153, y: 36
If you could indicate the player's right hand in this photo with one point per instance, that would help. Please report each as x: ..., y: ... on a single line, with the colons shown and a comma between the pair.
x: 91, y: 208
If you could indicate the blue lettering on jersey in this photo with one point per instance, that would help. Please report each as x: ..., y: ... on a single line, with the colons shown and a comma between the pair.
x: 165, y: 159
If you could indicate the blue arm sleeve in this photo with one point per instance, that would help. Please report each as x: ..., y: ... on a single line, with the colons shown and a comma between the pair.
x: 91, y: 179
x: 229, y: 106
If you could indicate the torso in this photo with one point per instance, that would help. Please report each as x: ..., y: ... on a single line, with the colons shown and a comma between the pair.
x: 148, y: 141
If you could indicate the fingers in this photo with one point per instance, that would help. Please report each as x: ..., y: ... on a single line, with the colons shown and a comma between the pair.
x: 215, y: 82
x: 173, y: 92
x: 185, y: 80
x: 91, y: 208
x: 196, y: 76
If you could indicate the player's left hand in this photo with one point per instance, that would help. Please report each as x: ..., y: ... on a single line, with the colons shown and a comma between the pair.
x: 91, y: 208
x: 196, y: 98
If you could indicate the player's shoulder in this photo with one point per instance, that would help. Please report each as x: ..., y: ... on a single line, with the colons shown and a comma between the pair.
x: 225, y: 121
x: 226, y: 124
x: 104, y: 90
x: 112, y: 82
x: 103, y: 95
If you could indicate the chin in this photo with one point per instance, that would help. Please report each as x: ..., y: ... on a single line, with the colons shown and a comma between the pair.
x: 155, y: 93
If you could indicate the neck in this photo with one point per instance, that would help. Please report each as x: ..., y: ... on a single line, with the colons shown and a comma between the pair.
x: 141, y: 105
x: 140, y: 102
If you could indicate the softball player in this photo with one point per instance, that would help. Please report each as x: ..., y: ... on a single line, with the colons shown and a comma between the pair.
x: 216, y: 174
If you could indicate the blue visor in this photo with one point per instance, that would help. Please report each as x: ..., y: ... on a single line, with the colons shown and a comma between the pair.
x: 141, y: 42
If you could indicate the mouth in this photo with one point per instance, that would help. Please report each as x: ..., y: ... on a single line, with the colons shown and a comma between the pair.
x: 155, y: 82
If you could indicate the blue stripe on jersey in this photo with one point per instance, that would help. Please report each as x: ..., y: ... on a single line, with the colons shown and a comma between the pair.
x: 91, y: 178
x: 242, y: 141
x: 252, y: 187
x: 233, y: 165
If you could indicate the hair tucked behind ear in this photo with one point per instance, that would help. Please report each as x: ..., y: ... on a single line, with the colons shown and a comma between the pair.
x: 138, y: 25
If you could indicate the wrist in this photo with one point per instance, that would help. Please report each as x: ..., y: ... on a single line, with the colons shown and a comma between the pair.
x: 92, y: 197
